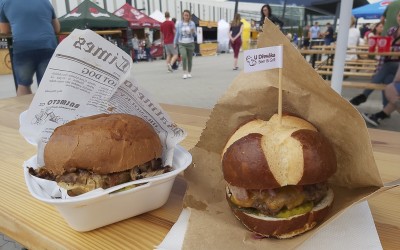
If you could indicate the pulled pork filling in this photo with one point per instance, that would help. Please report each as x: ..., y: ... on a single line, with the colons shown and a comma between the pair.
x: 79, y: 181
x: 272, y: 201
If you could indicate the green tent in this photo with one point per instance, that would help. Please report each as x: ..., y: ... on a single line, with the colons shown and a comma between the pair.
x: 88, y: 15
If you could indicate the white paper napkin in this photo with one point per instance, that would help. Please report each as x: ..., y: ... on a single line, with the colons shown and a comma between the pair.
x: 354, y: 229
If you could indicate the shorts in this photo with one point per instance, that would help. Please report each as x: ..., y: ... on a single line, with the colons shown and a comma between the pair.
x: 170, y: 50
x: 26, y: 64
x: 397, y: 86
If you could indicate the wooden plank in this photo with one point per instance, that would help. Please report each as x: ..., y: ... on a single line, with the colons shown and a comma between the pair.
x: 346, y: 73
x: 350, y: 67
x: 362, y: 62
x: 367, y: 62
x: 208, y: 24
x: 362, y: 85
x: 5, y: 62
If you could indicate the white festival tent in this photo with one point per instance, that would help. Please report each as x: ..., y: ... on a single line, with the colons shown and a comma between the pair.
x: 222, y: 36
x: 158, y: 15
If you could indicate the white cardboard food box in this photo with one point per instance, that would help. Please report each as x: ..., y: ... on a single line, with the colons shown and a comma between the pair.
x: 92, y: 210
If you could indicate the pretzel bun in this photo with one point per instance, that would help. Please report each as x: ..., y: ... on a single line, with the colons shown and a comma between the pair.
x: 102, y: 144
x: 264, y: 155
x: 278, y: 157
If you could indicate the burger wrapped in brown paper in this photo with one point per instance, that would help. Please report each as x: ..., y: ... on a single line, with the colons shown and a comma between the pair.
x: 255, y: 94
x: 277, y: 175
x: 101, y: 151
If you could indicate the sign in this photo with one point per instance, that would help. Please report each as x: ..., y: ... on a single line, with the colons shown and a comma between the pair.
x: 199, y: 34
x: 263, y: 59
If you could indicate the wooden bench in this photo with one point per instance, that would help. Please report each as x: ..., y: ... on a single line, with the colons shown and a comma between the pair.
x: 368, y: 68
x: 361, y: 85
x: 353, y: 62
x: 346, y: 73
x: 366, y: 62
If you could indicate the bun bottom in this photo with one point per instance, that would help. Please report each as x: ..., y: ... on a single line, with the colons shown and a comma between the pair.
x: 284, y: 228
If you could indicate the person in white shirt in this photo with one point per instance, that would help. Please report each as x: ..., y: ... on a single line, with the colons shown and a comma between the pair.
x: 353, y: 40
x: 184, y: 37
x: 135, y: 46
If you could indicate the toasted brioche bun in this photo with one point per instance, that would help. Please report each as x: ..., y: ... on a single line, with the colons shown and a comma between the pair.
x: 287, y: 227
x: 104, y: 144
x: 264, y: 154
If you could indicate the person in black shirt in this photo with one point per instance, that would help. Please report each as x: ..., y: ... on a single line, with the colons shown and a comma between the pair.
x: 328, y: 34
x: 266, y: 12
x: 235, y: 33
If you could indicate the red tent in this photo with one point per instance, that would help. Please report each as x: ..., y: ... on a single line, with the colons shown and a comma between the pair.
x: 136, y: 19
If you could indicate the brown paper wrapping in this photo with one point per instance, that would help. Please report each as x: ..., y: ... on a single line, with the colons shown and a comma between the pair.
x: 212, y: 224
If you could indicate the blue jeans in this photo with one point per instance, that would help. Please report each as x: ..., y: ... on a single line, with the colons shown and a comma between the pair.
x: 384, y: 75
x: 27, y: 63
x: 136, y: 56
x: 148, y: 54
x: 328, y: 41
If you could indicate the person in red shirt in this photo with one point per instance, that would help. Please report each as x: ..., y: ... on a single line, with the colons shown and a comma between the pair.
x: 167, y: 37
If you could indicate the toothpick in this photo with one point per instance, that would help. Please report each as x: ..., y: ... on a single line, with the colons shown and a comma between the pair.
x: 280, y: 95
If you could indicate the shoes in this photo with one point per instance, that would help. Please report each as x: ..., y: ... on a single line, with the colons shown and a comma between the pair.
x: 170, y: 68
x: 189, y: 75
x: 358, y: 99
x: 371, y: 119
x: 235, y: 68
x: 184, y: 76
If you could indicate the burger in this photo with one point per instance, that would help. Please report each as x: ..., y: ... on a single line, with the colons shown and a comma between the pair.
x: 276, y: 173
x: 101, y: 151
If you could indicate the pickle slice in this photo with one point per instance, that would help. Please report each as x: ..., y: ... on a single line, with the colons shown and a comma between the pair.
x: 302, y: 209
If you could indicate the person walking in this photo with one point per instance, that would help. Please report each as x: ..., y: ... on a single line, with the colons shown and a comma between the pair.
x: 386, y: 69
x: 392, y: 94
x: 184, y: 38
x: 147, y: 47
x: 167, y: 37
x: 135, y: 46
x: 266, y: 12
x: 235, y: 36
x: 34, y: 27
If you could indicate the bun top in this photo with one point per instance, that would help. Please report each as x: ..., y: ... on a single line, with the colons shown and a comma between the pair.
x: 103, y: 143
x: 265, y: 155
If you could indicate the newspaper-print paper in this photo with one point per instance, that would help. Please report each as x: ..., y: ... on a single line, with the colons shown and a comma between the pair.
x: 88, y: 75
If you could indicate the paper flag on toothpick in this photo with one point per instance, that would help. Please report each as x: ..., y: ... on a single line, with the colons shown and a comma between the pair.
x: 263, y: 58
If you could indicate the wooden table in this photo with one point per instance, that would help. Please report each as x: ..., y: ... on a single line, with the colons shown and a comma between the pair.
x: 39, y: 226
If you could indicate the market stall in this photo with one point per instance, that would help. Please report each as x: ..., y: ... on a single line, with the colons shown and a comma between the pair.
x: 89, y: 15
x: 207, y: 37
x: 141, y: 24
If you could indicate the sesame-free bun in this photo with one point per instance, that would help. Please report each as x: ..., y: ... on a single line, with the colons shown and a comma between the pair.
x: 283, y: 228
x: 104, y: 143
x: 267, y: 154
